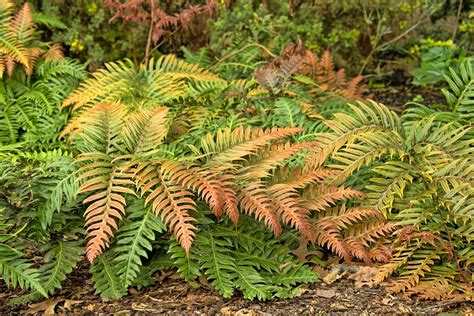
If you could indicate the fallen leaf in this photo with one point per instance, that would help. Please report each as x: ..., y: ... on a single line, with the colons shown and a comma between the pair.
x: 302, y: 251
x: 404, y: 309
x: 326, y: 293
x: 90, y: 307
x: 364, y: 276
x: 301, y: 291
x: 69, y: 303
x: 47, y: 307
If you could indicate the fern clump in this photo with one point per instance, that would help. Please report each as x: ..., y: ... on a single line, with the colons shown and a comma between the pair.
x: 38, y: 204
x: 421, y: 178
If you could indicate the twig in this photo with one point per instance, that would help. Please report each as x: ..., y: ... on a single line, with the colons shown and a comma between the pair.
x: 150, y: 31
x: 455, y: 30
x: 239, y: 51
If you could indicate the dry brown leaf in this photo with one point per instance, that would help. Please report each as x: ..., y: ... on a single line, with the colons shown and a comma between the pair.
x: 364, y: 276
x: 302, y: 251
x: 69, y: 303
x: 47, y: 307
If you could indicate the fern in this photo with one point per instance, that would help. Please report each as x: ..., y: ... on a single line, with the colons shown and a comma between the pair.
x: 17, y: 271
x: 247, y: 259
x: 134, y: 241
x: 106, y: 278
x: 420, y: 178
x: 460, y: 95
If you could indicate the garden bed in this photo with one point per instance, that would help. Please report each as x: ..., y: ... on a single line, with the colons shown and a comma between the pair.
x: 170, y: 295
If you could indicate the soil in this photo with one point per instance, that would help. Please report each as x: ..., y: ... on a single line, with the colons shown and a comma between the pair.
x: 171, y: 296
x: 399, y: 96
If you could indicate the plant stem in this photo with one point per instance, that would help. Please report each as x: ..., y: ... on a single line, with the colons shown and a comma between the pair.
x: 455, y: 30
x: 150, y: 31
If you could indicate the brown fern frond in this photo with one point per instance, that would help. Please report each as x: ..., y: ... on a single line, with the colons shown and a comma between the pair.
x: 255, y: 201
x: 54, y: 52
x: 380, y: 254
x: 23, y: 24
x: 358, y: 250
x: 328, y: 235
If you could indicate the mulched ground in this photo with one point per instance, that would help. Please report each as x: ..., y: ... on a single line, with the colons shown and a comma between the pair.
x: 171, y: 296
x: 399, y: 96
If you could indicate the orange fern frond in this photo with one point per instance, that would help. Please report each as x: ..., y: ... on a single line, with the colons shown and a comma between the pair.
x: 201, y: 181
x: 23, y: 24
x: 299, y: 178
x: 107, y: 204
x: 328, y: 235
x: 255, y: 201
x: 171, y: 201
x: 289, y: 207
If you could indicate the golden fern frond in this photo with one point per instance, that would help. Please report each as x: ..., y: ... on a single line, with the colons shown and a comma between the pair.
x: 269, y: 158
x: 419, y: 264
x: 106, y: 85
x: 400, y: 257
x: 230, y: 146
x: 180, y: 69
x: 143, y: 131
x: 255, y: 201
x: 321, y: 197
x: 439, y: 289
x: 369, y: 126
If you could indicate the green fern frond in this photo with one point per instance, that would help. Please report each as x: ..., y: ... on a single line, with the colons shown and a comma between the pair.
x: 106, y: 278
x: 16, y: 271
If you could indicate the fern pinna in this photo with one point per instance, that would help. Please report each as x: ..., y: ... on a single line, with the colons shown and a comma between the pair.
x: 420, y: 176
